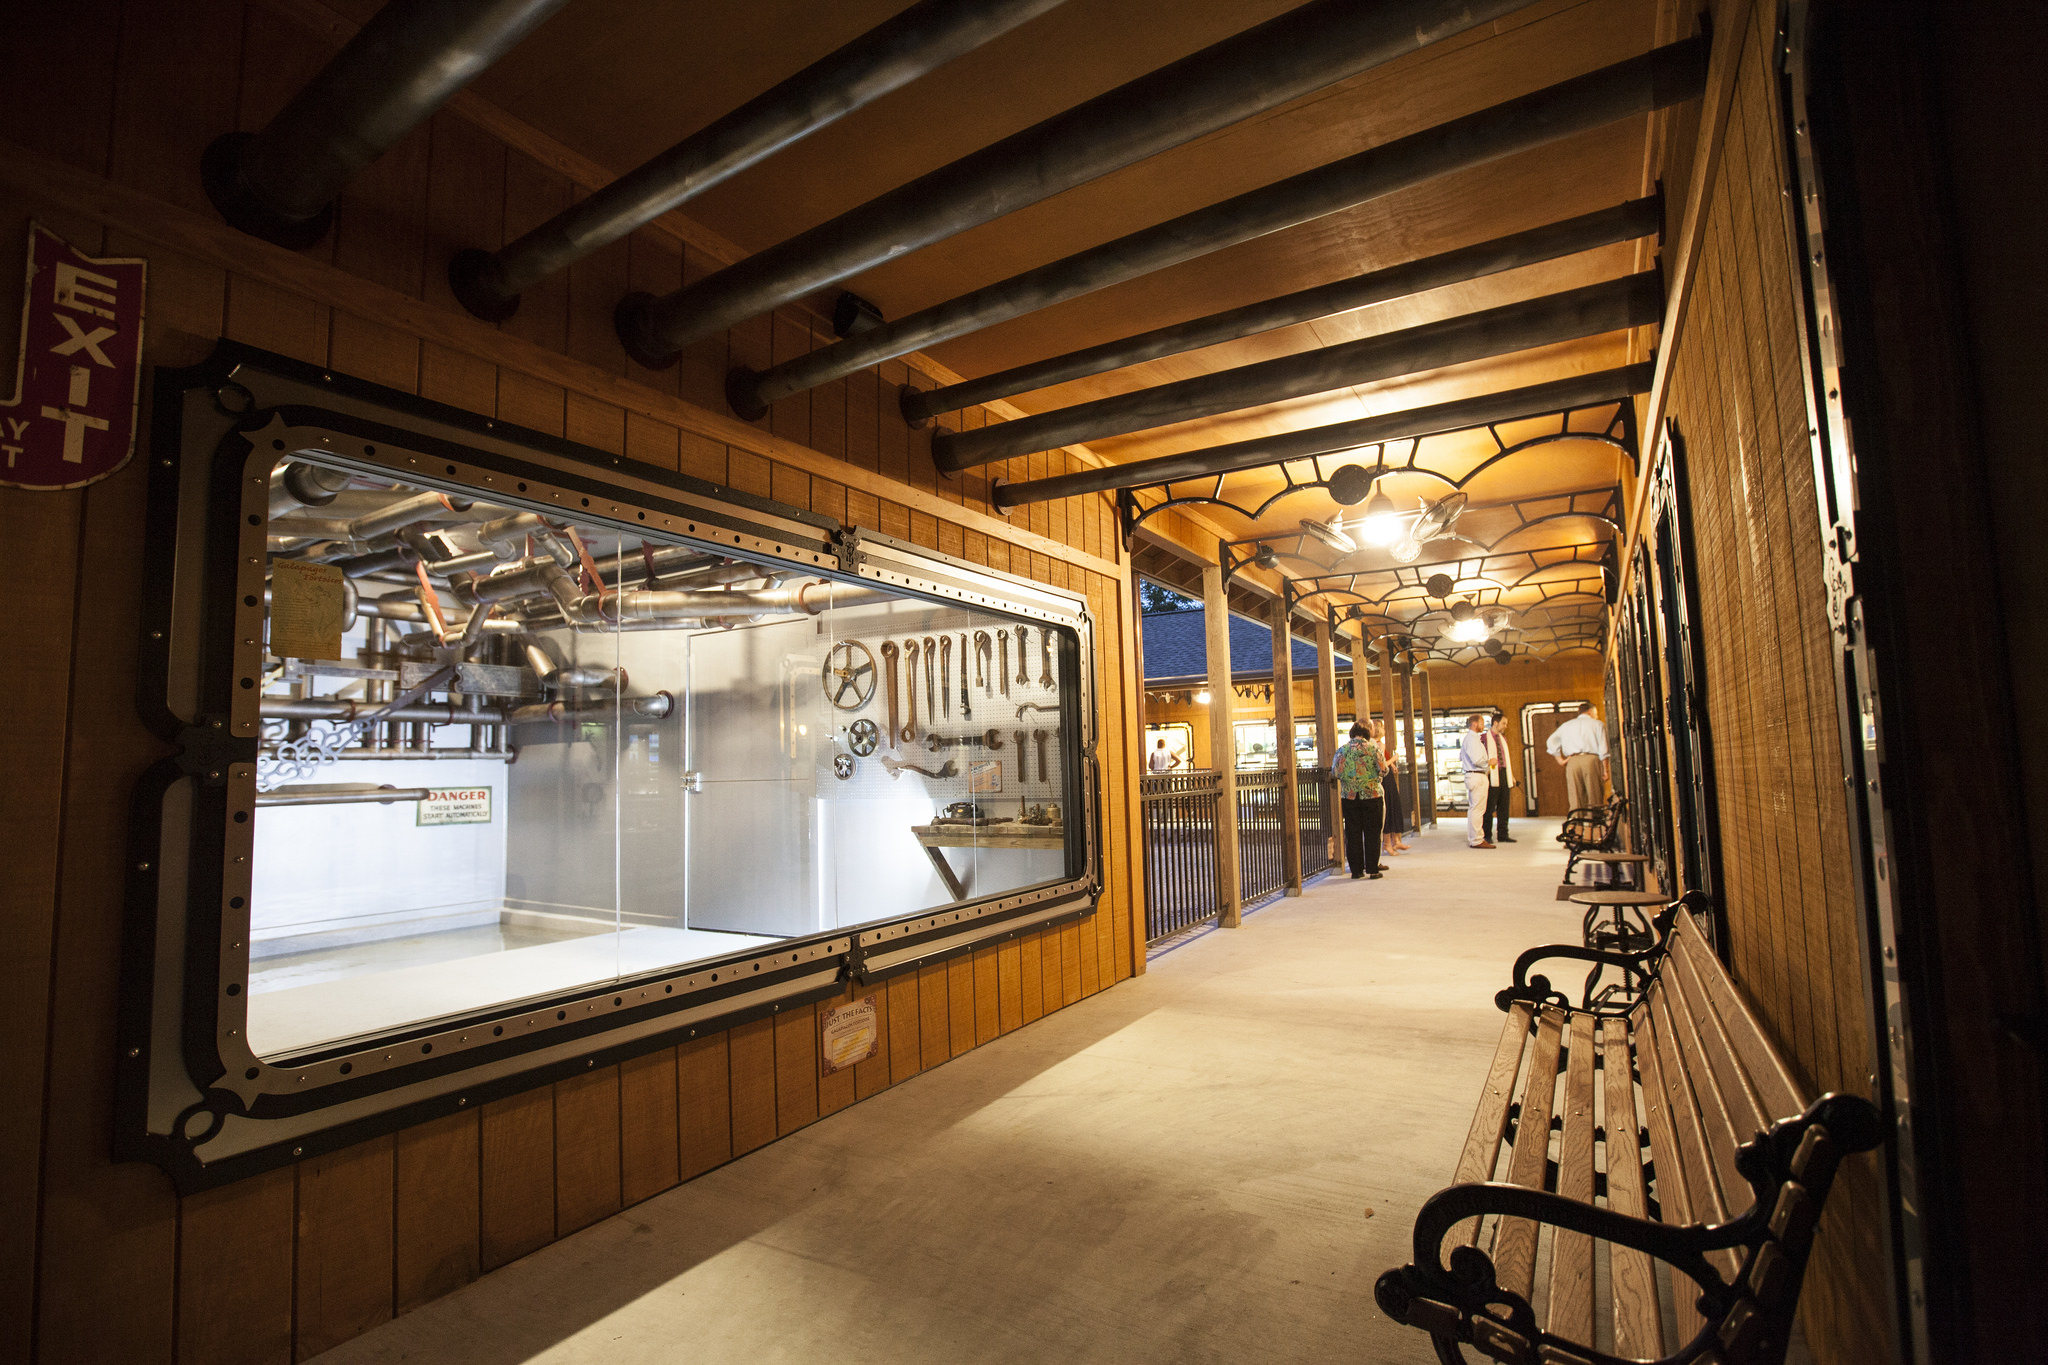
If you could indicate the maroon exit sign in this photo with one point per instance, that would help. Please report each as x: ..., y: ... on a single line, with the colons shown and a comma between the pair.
x: 72, y: 418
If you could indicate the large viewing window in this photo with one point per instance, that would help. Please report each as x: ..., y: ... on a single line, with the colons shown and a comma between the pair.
x: 534, y: 753
x: 523, y: 751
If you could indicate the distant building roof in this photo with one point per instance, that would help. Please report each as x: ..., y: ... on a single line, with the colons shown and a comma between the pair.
x: 1177, y: 650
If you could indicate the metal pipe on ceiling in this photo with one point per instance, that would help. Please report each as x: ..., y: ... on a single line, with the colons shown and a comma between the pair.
x: 920, y: 39
x: 1604, y: 227
x: 1631, y: 301
x: 1666, y: 76
x: 280, y: 184
x: 1298, y: 52
x: 1506, y: 406
x: 331, y: 796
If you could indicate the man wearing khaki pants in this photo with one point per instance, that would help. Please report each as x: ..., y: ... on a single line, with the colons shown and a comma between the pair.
x: 1580, y: 748
x: 1475, y: 751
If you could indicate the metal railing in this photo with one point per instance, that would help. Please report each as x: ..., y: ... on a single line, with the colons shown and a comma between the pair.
x: 1318, y: 819
x: 1261, y: 870
x: 1180, y: 841
x: 1180, y: 850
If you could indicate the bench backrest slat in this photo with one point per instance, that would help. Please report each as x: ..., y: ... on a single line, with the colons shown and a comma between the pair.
x: 1489, y: 1123
x: 1571, y: 1253
x: 1735, y: 1091
x: 1638, y: 1324
x: 1778, y: 1094
x: 1693, y: 1125
x: 1514, y: 1243
x: 1675, y: 1200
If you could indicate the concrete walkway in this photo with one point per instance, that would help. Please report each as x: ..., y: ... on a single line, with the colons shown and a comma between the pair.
x: 1210, y: 1163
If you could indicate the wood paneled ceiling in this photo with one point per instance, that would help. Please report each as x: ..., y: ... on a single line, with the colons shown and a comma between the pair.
x: 621, y: 80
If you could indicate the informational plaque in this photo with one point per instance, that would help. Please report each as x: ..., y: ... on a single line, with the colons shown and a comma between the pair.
x: 307, y: 605
x: 455, y: 806
x: 71, y: 421
x: 849, y: 1034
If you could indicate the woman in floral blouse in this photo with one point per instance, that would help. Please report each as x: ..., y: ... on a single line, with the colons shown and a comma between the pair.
x: 1358, y: 768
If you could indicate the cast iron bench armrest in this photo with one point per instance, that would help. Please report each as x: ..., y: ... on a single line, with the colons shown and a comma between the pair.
x: 1462, y: 1301
x: 1537, y: 990
x: 1640, y: 965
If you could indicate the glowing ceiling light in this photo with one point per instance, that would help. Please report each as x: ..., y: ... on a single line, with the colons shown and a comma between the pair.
x: 1469, y: 631
x: 1202, y: 697
x: 1381, y: 524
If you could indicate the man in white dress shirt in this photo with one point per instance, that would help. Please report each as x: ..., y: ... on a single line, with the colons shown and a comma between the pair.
x: 1580, y: 748
x: 1475, y: 751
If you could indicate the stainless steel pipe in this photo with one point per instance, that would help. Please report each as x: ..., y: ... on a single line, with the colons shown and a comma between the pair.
x: 1300, y: 51
x: 280, y: 184
x: 1636, y: 218
x: 891, y: 55
x: 1666, y: 76
x: 1577, y: 391
x: 651, y: 708
x: 1611, y: 306
x: 318, y: 708
x: 382, y: 796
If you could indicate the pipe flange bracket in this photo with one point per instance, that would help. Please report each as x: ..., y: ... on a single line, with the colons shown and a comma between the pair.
x: 205, y: 750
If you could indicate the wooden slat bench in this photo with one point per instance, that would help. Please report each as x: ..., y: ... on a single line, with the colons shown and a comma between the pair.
x: 1594, y: 830
x: 1669, y: 1130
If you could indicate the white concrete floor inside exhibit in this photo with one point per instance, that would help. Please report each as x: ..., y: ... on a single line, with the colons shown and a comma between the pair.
x: 1212, y: 1162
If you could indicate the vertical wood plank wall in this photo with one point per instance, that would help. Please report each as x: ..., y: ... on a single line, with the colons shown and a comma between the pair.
x: 1738, y: 399
x: 104, y: 110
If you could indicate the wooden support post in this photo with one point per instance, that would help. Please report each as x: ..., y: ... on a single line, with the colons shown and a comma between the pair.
x: 1283, y: 743
x: 1326, y: 721
x: 1427, y: 759
x: 1222, y: 748
x: 1408, y: 705
x: 1386, y: 687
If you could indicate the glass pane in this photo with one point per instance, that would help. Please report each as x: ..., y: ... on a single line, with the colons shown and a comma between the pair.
x: 508, y: 755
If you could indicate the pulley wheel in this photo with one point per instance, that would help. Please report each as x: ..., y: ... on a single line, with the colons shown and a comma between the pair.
x: 863, y: 736
x: 842, y: 766
x: 848, y: 675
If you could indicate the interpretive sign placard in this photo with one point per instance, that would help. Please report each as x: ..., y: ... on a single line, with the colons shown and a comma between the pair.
x: 849, y: 1034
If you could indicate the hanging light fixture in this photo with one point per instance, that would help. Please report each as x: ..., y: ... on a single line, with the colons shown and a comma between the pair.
x: 1202, y: 697
x: 1462, y: 610
x: 1265, y: 558
x: 1469, y: 631
x: 1381, y: 524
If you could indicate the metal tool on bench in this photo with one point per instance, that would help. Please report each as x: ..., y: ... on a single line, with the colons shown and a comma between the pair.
x: 909, y: 733
x: 931, y: 698
x: 988, y: 740
x: 983, y: 651
x: 945, y: 674
x: 1022, y: 754
x: 1023, y: 672
x: 966, y: 706
x: 897, y: 769
x: 1045, y: 658
x: 1003, y: 639
x: 1039, y: 735
x: 889, y: 655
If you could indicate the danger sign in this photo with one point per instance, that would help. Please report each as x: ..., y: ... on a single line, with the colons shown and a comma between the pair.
x: 72, y: 419
x: 455, y: 806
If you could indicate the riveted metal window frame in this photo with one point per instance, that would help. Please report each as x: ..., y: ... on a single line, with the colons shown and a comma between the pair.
x: 194, y: 1098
